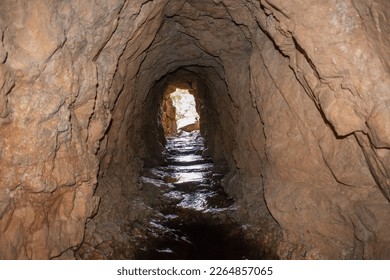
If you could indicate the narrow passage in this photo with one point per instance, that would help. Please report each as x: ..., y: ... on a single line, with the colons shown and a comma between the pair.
x: 194, y: 213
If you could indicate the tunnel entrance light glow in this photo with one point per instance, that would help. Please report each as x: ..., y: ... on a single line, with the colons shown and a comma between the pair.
x: 185, y: 105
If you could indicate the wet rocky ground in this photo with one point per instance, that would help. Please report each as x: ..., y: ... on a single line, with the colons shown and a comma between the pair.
x: 193, y: 214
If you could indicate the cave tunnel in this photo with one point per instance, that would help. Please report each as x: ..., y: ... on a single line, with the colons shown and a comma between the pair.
x: 293, y: 101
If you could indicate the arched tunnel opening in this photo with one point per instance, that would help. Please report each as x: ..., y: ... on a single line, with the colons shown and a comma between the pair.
x: 294, y: 140
x: 179, y: 112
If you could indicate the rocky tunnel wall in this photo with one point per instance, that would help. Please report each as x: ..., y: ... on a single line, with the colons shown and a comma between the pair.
x: 294, y: 98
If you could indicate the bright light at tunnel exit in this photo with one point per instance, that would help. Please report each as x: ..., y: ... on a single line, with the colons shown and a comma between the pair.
x: 185, y: 105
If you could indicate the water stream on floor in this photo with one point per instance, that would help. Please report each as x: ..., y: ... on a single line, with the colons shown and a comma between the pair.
x: 194, y: 219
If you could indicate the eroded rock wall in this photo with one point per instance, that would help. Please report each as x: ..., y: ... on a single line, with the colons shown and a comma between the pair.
x: 294, y: 98
x: 59, y: 62
x: 168, y: 116
x: 323, y: 176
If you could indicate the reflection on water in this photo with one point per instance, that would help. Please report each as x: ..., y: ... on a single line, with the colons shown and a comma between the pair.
x: 196, y: 201
x: 190, y: 177
x: 194, y: 221
x: 188, y: 158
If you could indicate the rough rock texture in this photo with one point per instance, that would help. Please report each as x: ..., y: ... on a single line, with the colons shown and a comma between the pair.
x: 168, y: 116
x: 293, y: 97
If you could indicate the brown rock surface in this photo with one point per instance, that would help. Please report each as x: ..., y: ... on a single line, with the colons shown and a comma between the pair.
x: 168, y: 116
x: 294, y: 98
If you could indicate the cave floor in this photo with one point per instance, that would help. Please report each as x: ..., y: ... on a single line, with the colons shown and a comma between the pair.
x: 194, y: 217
